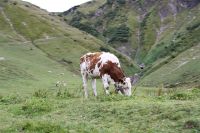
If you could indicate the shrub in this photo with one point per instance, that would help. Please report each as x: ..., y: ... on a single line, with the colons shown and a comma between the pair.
x: 118, y: 34
x: 10, y: 99
x: 85, y: 27
x: 64, y: 93
x: 35, y: 106
x: 121, y: 2
x: 181, y: 96
x: 192, y: 124
x: 109, y: 2
x: 40, y: 127
x: 41, y: 93
x: 104, y: 49
x: 98, y: 23
x: 193, y: 27
x: 14, y: 3
x: 111, y: 14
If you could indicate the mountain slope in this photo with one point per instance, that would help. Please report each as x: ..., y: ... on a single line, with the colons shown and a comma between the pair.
x: 36, y: 47
x: 183, y: 70
x: 152, y: 33
x: 139, y: 25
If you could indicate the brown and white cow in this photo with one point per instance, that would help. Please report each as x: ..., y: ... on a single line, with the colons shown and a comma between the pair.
x: 106, y: 66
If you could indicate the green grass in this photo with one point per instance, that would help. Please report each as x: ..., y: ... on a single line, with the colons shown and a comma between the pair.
x: 31, y: 102
x: 90, y: 8
x: 39, y: 63
x: 182, y: 70
x: 148, y: 110
x: 25, y: 66
x: 31, y: 27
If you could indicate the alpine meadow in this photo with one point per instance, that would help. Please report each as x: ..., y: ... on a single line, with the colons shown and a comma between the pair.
x: 157, y: 43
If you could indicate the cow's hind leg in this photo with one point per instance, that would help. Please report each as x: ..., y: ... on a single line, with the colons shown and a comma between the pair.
x: 94, y: 87
x: 84, y: 76
x: 105, y: 84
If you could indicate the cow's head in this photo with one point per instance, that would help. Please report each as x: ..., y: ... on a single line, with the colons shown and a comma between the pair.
x: 124, y: 87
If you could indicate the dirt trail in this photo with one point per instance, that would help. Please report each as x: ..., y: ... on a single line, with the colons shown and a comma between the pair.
x: 42, y: 39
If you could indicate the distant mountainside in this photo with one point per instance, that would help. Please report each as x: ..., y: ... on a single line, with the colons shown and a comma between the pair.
x: 151, y: 32
x: 35, y: 46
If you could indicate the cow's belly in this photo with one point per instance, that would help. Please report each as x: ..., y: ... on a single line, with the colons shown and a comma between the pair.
x: 94, y: 73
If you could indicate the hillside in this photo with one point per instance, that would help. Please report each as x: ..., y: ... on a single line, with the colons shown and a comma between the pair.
x: 152, y: 33
x: 36, y: 47
x: 41, y: 88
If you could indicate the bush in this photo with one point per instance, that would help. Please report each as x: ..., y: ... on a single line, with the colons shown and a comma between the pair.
x: 41, y: 93
x: 110, y: 2
x: 98, y: 23
x: 85, y: 27
x: 35, y: 106
x: 192, y: 124
x: 121, y: 2
x: 64, y: 93
x: 118, y: 34
x: 10, y: 99
x: 40, y: 127
x: 181, y: 96
x: 111, y: 14
x: 14, y: 3
x: 194, y: 26
x: 104, y: 49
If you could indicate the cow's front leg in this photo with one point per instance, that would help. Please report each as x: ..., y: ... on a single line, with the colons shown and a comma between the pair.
x: 105, y: 84
x: 94, y: 87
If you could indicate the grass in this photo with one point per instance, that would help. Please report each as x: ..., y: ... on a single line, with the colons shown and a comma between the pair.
x: 28, y: 68
x: 30, y: 101
x: 182, y: 70
x: 91, y: 7
x: 157, y: 36
x: 148, y: 110
x: 39, y: 61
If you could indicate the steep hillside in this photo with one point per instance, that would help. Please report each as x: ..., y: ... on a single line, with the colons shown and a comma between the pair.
x: 138, y: 25
x: 183, y: 70
x: 152, y: 33
x: 36, y: 48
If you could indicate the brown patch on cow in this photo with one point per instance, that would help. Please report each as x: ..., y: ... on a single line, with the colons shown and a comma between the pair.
x: 113, y: 70
x: 99, y: 64
x: 93, y: 60
x: 82, y: 59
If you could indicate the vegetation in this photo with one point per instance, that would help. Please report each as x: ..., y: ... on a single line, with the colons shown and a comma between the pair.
x: 173, y: 110
x: 40, y: 83
x: 118, y: 34
x: 147, y: 33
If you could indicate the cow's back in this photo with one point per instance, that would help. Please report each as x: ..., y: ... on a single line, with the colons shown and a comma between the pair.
x: 92, y: 63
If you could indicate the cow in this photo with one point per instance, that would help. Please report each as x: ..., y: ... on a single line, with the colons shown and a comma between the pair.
x: 106, y: 66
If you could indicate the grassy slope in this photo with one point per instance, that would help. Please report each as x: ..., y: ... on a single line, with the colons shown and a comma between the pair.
x: 25, y: 68
x: 64, y: 110
x: 30, y: 102
x: 178, y: 47
x: 46, y: 44
x: 91, y: 6
x: 182, y: 70
x: 157, y: 35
